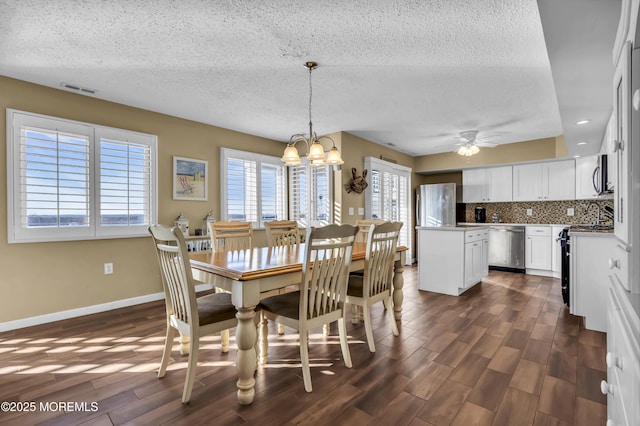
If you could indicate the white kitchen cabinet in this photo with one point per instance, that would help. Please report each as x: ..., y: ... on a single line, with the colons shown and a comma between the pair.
x: 622, y: 386
x: 538, y: 250
x: 622, y: 132
x: 588, y: 277
x: 451, y: 259
x: 473, y: 186
x: 476, y: 256
x: 556, y: 251
x: 585, y: 166
x: 544, y: 181
x: 492, y: 184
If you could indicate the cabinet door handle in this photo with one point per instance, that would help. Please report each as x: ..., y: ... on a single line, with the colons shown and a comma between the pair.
x: 614, y: 361
x: 614, y: 263
x: 606, y: 388
x: 618, y: 146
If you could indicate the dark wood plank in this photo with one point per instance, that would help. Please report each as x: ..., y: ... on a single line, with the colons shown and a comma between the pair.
x: 505, y: 352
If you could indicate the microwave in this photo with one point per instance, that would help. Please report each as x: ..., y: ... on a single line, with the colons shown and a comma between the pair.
x: 600, y: 177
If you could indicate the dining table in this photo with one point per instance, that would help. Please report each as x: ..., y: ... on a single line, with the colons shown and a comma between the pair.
x: 248, y: 274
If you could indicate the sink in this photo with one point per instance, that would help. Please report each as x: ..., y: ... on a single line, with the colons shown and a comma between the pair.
x: 591, y: 228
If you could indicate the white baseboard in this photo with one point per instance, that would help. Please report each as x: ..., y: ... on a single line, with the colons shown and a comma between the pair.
x: 87, y: 310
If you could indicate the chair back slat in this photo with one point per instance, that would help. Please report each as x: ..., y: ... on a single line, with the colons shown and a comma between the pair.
x: 282, y: 233
x: 230, y: 236
x: 325, y: 269
x: 364, y: 227
x: 171, y: 250
x: 379, y: 259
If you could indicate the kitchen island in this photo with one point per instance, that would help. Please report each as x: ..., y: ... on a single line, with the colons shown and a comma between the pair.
x: 452, y: 259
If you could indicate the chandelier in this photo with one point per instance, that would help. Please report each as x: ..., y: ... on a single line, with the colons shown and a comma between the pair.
x: 315, y: 151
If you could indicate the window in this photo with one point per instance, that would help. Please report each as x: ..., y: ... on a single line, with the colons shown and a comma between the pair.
x: 253, y: 187
x: 310, y: 201
x: 76, y: 181
x: 388, y: 196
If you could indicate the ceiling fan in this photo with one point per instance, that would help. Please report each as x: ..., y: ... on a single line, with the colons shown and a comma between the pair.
x: 469, y: 143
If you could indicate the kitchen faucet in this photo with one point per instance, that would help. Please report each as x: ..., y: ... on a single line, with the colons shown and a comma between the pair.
x: 593, y: 203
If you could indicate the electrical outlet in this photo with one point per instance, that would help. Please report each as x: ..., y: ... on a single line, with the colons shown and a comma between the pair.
x: 529, y: 212
x: 570, y: 212
x: 361, y: 211
x: 108, y: 268
x: 351, y: 211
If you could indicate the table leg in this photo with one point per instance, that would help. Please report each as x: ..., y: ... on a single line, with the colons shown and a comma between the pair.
x: 184, y: 344
x: 398, y: 283
x: 246, y: 357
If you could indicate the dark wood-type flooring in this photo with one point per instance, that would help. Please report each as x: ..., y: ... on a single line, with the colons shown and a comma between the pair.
x: 507, y: 352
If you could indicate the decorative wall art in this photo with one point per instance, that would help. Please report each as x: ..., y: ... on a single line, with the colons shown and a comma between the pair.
x: 358, y: 184
x: 189, y: 179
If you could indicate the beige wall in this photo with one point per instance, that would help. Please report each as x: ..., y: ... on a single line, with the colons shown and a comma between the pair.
x: 354, y: 151
x: 50, y: 277
x: 46, y: 278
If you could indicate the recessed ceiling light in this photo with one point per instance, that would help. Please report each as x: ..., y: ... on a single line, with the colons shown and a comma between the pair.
x: 583, y: 142
x: 576, y: 156
x: 583, y: 121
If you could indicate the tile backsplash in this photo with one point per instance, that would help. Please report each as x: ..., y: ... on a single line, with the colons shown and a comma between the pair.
x: 543, y: 212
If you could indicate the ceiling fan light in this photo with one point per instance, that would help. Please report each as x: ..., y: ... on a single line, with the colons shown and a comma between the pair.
x: 474, y: 149
x: 462, y: 150
x: 334, y: 158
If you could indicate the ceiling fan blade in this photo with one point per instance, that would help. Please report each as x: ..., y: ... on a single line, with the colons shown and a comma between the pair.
x: 486, y: 144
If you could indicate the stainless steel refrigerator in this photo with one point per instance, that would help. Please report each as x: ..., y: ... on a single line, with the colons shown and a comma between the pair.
x: 438, y: 205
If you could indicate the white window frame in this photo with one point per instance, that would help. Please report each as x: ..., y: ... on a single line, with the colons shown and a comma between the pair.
x: 18, y: 233
x: 405, y: 214
x: 311, y: 190
x: 259, y: 159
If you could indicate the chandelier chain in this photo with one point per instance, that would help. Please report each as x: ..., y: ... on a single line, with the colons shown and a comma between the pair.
x: 310, y: 96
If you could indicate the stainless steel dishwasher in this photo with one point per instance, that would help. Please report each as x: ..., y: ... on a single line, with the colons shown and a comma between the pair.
x: 506, y: 247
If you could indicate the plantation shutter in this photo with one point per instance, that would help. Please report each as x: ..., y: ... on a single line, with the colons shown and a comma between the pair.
x: 125, y: 183
x: 242, y: 190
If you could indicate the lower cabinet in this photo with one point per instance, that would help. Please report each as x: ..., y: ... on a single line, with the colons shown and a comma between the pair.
x: 556, y: 251
x: 538, y: 248
x: 452, y: 260
x: 622, y: 386
x: 476, y: 258
x: 589, y: 277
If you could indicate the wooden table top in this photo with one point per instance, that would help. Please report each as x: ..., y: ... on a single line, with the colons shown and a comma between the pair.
x: 260, y: 262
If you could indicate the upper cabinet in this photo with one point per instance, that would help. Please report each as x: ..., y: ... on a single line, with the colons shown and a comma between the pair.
x: 544, y: 181
x: 622, y: 134
x: 585, y: 168
x: 488, y: 185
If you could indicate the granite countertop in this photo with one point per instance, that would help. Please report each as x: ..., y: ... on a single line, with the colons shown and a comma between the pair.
x: 458, y: 228
x: 511, y: 224
x: 584, y: 230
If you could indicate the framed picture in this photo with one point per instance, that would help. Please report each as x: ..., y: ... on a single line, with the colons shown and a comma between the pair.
x: 189, y: 179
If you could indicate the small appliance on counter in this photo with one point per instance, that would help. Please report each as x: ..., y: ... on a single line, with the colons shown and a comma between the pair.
x: 481, y: 215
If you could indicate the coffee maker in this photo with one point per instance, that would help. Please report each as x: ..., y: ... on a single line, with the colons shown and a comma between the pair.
x: 481, y: 215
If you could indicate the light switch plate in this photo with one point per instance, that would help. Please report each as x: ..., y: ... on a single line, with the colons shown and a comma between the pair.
x: 529, y: 212
x: 570, y: 211
x: 350, y: 211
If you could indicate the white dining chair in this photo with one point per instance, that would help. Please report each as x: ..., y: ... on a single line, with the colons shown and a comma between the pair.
x: 187, y: 314
x: 320, y: 299
x: 375, y: 284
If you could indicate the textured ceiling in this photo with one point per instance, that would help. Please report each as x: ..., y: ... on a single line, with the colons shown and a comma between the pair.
x: 410, y: 74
